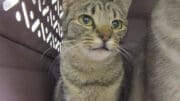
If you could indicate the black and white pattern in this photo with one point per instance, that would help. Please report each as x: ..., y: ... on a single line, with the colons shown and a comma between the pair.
x: 43, y: 19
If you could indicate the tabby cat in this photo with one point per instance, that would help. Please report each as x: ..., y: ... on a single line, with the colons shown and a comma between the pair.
x: 163, y: 66
x: 91, y: 63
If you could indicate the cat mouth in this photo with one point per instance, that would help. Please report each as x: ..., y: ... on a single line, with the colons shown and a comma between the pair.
x: 100, y: 48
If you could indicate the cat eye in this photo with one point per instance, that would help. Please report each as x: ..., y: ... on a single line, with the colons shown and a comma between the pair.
x: 117, y: 24
x: 86, y: 20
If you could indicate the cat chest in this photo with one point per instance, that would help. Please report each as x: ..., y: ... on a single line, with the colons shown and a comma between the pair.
x: 93, y: 93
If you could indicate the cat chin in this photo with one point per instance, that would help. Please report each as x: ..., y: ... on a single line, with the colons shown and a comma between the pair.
x: 98, y: 55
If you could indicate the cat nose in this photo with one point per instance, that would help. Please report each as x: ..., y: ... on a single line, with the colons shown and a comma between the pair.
x: 104, y: 37
x: 105, y: 33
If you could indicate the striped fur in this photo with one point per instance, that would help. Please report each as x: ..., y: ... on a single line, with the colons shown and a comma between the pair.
x: 91, y: 64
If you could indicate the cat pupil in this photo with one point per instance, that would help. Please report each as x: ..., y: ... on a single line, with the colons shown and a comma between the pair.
x: 115, y: 24
x: 86, y: 19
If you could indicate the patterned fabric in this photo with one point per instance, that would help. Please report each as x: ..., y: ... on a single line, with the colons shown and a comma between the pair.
x: 40, y: 17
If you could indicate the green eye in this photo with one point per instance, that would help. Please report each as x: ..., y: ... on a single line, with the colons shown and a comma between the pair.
x: 86, y: 20
x: 117, y: 24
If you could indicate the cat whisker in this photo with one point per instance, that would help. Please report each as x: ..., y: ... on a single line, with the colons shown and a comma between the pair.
x: 70, y: 48
x: 124, y: 55
x: 87, y: 38
x: 44, y: 53
x: 68, y: 41
x: 87, y: 42
x: 124, y: 52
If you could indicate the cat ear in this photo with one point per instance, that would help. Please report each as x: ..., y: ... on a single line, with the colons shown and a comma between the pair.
x: 125, y: 3
x: 67, y: 3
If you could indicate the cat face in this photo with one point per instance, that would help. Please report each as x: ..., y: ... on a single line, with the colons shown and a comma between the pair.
x: 97, y: 26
